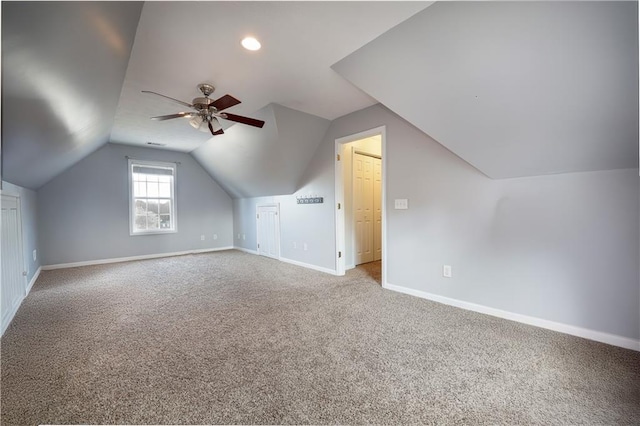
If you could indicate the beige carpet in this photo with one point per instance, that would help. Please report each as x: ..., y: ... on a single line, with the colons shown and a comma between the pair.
x: 230, y: 337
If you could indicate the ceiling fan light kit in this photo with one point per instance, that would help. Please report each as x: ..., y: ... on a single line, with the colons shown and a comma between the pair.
x: 207, y: 111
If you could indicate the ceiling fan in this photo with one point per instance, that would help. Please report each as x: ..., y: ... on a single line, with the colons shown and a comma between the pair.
x: 207, y: 111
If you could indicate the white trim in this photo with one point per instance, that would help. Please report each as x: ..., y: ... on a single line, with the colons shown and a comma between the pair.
x: 130, y: 258
x: 598, y: 336
x: 33, y: 280
x: 309, y: 266
x: 10, y: 316
x: 339, y: 196
x: 14, y: 310
x: 246, y: 250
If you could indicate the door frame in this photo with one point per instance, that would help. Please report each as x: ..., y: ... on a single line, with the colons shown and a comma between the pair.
x: 277, y: 206
x: 339, y: 197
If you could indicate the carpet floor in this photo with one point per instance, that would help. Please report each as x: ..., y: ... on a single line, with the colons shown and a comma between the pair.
x: 229, y: 337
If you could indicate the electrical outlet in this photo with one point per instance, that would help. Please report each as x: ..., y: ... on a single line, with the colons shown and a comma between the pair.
x: 202, y: 237
x: 305, y: 247
x: 238, y: 236
x: 35, y: 255
x: 244, y: 236
x: 215, y: 236
x: 295, y: 246
x: 446, y: 271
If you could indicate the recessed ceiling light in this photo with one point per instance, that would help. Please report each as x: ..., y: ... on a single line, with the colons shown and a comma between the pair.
x: 250, y: 43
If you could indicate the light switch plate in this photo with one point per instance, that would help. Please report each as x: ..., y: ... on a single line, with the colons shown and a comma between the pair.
x: 401, y: 204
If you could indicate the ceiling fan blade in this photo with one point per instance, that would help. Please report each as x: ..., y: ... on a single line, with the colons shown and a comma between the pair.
x: 217, y: 132
x: 170, y: 116
x: 243, y: 120
x: 227, y: 101
x: 168, y: 97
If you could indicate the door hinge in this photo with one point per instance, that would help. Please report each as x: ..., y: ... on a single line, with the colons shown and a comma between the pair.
x: 339, y: 254
x: 257, y: 216
x: 338, y: 156
x: 338, y: 206
x: 276, y: 213
x: 258, y: 245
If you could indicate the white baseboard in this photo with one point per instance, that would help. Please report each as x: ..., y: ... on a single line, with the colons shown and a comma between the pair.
x: 33, y: 280
x: 293, y: 262
x: 598, y: 336
x: 9, y: 317
x: 309, y: 266
x: 246, y: 250
x: 130, y: 258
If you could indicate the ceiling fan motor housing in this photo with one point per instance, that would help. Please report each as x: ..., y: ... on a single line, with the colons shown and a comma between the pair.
x: 201, y: 103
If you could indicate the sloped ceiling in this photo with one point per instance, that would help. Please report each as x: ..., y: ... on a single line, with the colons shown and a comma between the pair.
x: 514, y: 88
x: 63, y: 65
x: 250, y: 162
x: 182, y: 44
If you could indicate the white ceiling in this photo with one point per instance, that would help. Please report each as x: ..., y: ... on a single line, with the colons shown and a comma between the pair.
x: 179, y: 45
x: 514, y: 88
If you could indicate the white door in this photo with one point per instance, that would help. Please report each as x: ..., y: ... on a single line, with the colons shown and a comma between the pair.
x: 13, y: 285
x: 377, y: 209
x: 268, y: 231
x: 363, y: 185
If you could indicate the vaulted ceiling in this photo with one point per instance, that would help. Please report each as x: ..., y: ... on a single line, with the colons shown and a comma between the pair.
x: 63, y: 65
x: 515, y: 89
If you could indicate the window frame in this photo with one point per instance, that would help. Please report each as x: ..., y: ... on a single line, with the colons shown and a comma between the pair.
x: 173, y: 213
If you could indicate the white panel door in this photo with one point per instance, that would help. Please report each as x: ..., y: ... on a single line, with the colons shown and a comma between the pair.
x: 268, y: 231
x: 377, y: 209
x: 13, y: 284
x: 363, y: 208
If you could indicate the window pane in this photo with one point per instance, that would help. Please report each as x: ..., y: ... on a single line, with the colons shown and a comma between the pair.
x: 165, y: 206
x: 141, y: 207
x: 153, y: 220
x: 165, y: 190
x: 165, y: 178
x: 152, y: 178
x: 165, y: 221
x: 140, y: 223
x: 152, y: 206
x: 138, y: 177
x: 139, y: 189
x: 152, y: 189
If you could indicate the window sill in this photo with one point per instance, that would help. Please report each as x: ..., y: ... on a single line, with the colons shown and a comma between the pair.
x: 137, y: 234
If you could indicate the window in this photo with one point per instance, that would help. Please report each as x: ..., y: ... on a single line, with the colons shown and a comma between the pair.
x: 152, y: 207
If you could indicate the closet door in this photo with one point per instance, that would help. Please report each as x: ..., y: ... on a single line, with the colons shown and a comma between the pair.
x: 363, y: 207
x: 268, y: 231
x: 13, y: 285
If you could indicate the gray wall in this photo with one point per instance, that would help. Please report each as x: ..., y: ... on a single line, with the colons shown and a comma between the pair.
x: 28, y: 210
x: 561, y: 247
x: 84, y: 212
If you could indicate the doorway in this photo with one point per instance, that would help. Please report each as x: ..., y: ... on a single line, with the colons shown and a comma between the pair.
x: 268, y: 230
x: 360, y: 198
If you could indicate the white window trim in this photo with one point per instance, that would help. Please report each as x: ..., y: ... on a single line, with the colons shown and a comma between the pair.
x: 174, y: 197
